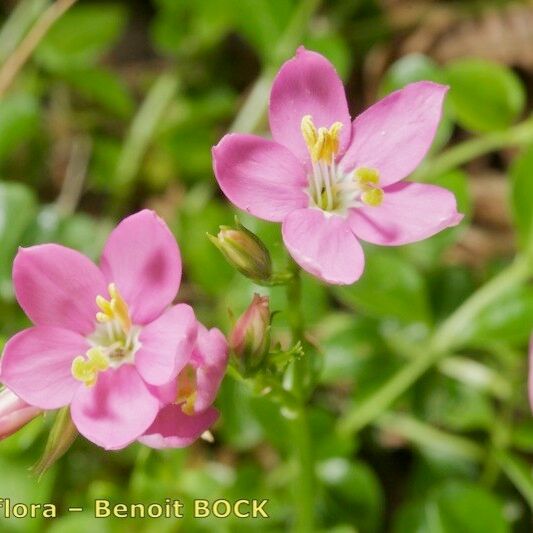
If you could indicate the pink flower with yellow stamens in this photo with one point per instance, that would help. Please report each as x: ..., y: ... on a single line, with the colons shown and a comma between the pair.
x: 186, y: 402
x: 104, y: 339
x: 330, y: 181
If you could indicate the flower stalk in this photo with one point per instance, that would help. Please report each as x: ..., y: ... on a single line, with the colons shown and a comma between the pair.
x: 304, y: 480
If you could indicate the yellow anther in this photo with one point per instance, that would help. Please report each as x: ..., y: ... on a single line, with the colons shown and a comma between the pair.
x: 116, y: 308
x: 373, y: 197
x: 308, y: 130
x: 323, y: 144
x: 367, y: 179
x: 188, y: 406
x: 104, y: 305
x: 82, y: 371
x: 86, y: 370
x: 186, y: 389
x: 366, y: 176
x: 102, y: 317
x: 97, y: 359
x: 334, y: 134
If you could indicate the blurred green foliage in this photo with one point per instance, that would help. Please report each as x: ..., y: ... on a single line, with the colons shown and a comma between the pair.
x: 118, y: 108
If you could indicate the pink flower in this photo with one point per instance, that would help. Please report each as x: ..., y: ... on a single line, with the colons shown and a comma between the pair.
x: 14, y: 413
x: 103, y: 338
x: 186, y: 403
x: 331, y: 181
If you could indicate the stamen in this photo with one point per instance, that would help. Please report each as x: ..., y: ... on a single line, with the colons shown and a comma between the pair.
x: 323, y: 144
x: 86, y: 370
x: 116, y: 308
x: 308, y: 130
x: 367, y: 180
x: 330, y: 188
x: 365, y: 176
x: 186, y: 394
x: 373, y: 197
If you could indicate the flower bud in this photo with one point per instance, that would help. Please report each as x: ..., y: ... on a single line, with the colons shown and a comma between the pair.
x: 14, y: 413
x: 60, y: 439
x: 250, y: 337
x: 245, y: 251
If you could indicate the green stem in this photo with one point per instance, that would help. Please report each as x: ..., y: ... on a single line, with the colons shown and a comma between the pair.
x: 518, y: 472
x: 304, y: 482
x: 452, y: 331
x: 141, y: 133
x: 448, y: 336
x: 466, y: 151
x: 429, y: 437
x: 24, y: 14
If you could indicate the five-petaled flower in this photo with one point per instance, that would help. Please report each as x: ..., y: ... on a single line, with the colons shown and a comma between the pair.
x: 107, y: 340
x: 331, y: 181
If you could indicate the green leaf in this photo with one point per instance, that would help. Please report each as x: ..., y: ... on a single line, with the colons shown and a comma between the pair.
x: 387, y: 284
x: 485, y: 96
x: 102, y: 87
x: 506, y: 320
x: 81, y: 36
x: 17, y: 210
x: 262, y: 22
x: 469, y: 509
x: 19, y: 120
x: 348, y: 341
x: 454, y: 405
x: 353, y: 494
x: 522, y: 198
x: 408, y: 69
x: 206, y: 23
x: 451, y: 508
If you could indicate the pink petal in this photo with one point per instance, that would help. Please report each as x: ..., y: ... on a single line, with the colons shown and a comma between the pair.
x: 142, y: 257
x: 211, y: 359
x: 57, y: 286
x: 410, y: 212
x: 307, y: 84
x: 14, y: 413
x: 117, y: 410
x: 174, y: 429
x: 166, y: 345
x: 36, y: 365
x: 324, y: 245
x: 259, y: 176
x: 165, y: 393
x: 394, y: 135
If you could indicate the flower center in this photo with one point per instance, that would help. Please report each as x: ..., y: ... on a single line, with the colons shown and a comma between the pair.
x: 186, y: 390
x: 114, y: 341
x: 330, y: 188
